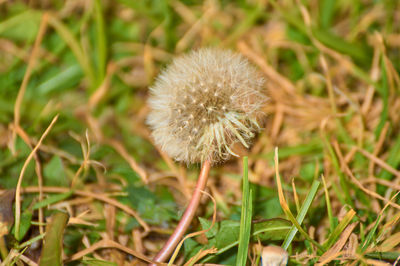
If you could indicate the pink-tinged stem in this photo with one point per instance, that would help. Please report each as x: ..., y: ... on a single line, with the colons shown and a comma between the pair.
x: 187, y: 217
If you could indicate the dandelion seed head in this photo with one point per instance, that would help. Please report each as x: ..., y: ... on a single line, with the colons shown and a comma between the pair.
x: 205, y: 102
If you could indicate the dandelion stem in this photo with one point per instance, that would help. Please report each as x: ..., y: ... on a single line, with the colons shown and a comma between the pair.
x: 187, y: 217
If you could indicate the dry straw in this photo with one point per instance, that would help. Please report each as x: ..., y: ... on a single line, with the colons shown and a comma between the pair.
x: 201, y: 105
x: 205, y: 102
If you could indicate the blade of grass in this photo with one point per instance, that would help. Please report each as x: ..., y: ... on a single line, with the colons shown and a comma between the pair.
x: 371, y: 233
x: 393, y: 159
x: 167, y: 14
x: 296, y: 22
x: 251, y: 18
x: 302, y: 214
x: 342, y: 133
x: 61, y: 81
x: 296, y: 197
x: 336, y: 249
x: 31, y: 241
x: 277, y: 226
x: 285, y: 206
x: 383, y: 90
x: 332, y: 222
x: 335, y: 42
x: 394, y: 255
x: 74, y: 45
x: 325, y: 37
x: 52, y: 199
x: 52, y: 249
x: 27, y: 75
x: 29, y: 15
x: 313, y: 147
x: 101, y: 42
x: 390, y: 243
x: 245, y: 219
x: 339, y: 229
x: 327, y: 10
x: 21, y: 176
x: 347, y: 199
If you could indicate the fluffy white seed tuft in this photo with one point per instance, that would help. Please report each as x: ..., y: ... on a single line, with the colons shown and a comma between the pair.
x: 203, y: 103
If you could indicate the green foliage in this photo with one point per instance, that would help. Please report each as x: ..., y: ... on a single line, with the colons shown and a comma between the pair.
x: 152, y: 207
x: 302, y: 213
x: 123, y: 45
x: 225, y: 235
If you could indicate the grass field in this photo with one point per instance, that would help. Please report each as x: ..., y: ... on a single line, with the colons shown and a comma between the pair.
x: 83, y: 184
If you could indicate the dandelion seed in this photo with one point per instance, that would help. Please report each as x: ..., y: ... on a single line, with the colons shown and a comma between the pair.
x: 230, y: 93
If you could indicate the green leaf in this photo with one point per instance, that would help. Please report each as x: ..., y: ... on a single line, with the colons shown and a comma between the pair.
x: 26, y: 218
x: 52, y: 249
x: 191, y: 248
x: 228, y: 234
x: 54, y: 173
x: 153, y: 208
x: 206, y: 224
x: 125, y: 171
x: 307, y: 171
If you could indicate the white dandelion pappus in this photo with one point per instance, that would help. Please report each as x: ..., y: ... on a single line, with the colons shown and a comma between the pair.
x: 203, y: 103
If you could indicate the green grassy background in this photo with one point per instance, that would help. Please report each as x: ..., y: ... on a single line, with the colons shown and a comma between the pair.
x: 332, y: 72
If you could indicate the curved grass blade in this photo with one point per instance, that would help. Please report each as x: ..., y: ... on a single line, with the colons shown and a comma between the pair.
x: 52, y: 249
x: 303, y: 211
